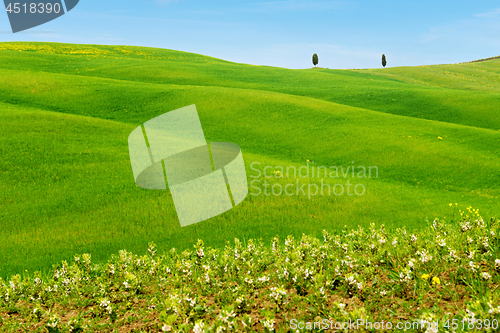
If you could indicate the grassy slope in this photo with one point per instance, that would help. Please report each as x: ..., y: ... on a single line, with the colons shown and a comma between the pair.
x: 465, y: 94
x: 66, y: 181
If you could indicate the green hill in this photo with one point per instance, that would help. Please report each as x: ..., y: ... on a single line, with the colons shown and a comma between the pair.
x: 66, y: 112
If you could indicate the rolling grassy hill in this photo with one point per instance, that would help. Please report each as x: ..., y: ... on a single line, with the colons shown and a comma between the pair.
x: 66, y: 112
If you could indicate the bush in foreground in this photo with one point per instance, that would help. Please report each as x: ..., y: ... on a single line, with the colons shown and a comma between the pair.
x: 447, y: 274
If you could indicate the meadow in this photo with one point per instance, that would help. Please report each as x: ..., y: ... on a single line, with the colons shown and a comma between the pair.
x: 442, y: 278
x: 66, y: 112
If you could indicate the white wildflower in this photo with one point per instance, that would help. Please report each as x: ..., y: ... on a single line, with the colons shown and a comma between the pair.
x: 224, y: 315
x: 472, y: 265
x: 493, y: 310
x: 53, y: 322
x: 104, y: 303
x: 405, y: 278
x: 470, y: 316
x: 351, y: 280
x: 199, y: 327
x: 453, y: 255
x: 424, y: 256
x: 263, y: 279
x: 269, y: 324
x: 471, y: 254
x: 191, y: 301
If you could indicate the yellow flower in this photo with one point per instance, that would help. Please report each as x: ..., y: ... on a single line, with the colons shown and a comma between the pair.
x: 435, y: 280
x: 425, y: 276
x: 440, y: 138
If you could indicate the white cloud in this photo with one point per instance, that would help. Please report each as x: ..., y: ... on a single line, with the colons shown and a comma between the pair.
x: 295, y: 5
x: 299, y: 55
x: 492, y: 13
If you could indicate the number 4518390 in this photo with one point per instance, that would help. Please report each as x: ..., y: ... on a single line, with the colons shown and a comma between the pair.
x: 471, y: 324
x: 33, y: 8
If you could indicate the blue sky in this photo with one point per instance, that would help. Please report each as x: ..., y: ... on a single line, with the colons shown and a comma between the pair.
x: 344, y: 34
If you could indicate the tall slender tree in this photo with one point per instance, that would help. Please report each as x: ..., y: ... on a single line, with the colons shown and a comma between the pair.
x: 384, y: 61
x: 315, y: 59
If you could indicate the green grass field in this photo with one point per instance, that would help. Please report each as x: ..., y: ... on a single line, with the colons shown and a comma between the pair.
x: 66, y: 112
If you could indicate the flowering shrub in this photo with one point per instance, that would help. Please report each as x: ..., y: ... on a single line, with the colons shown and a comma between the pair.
x: 447, y: 271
